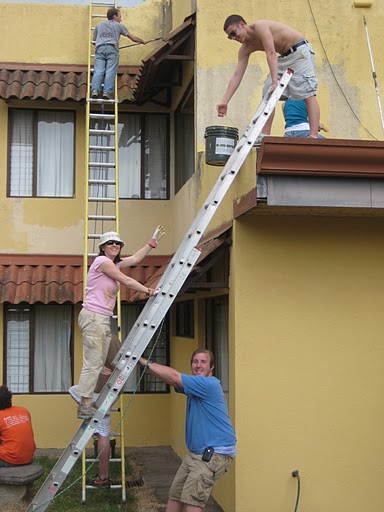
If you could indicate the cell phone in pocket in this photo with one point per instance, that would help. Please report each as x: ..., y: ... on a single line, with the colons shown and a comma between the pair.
x: 208, y: 452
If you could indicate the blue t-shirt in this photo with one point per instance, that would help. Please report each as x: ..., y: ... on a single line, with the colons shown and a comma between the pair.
x: 207, y: 421
x: 295, y: 112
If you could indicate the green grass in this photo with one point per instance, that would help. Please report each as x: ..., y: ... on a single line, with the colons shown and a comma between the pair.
x: 69, y: 495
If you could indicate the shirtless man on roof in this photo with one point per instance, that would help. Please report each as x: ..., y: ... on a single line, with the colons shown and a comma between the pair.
x: 294, y: 51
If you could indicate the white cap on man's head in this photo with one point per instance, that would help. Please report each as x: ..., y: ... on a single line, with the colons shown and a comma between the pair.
x: 109, y: 236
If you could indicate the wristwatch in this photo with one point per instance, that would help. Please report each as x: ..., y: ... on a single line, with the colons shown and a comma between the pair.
x: 149, y: 362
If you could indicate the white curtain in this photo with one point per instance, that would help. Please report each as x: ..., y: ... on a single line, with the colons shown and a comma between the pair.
x: 21, y: 153
x: 129, y: 156
x: 156, y: 157
x: 52, y: 362
x: 17, y: 358
x: 55, y: 154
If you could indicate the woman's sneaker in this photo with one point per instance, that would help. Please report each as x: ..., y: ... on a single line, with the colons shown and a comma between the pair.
x: 84, y: 412
x: 100, y: 484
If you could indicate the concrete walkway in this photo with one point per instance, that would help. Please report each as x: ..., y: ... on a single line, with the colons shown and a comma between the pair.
x: 160, y: 464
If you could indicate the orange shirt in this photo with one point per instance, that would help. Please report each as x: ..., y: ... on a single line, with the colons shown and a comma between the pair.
x: 17, y: 444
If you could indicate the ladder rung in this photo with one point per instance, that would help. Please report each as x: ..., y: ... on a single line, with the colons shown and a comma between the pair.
x: 102, y: 116
x: 112, y: 486
x: 101, y: 182
x: 102, y: 217
x: 93, y: 131
x: 101, y: 100
x: 103, y: 148
x: 101, y: 164
x: 94, y: 236
x: 102, y: 199
x: 110, y: 460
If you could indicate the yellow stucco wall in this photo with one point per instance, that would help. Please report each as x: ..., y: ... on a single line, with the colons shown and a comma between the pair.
x: 181, y: 9
x: 309, y: 362
x: 51, y: 34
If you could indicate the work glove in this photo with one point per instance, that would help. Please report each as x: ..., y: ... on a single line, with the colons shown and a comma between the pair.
x: 159, y: 233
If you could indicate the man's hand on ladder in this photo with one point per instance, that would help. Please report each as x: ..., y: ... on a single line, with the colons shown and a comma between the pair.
x: 273, y: 87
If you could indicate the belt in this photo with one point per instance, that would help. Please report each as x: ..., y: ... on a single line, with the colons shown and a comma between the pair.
x: 294, y: 48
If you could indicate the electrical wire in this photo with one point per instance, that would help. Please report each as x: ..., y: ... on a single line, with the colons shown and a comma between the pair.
x: 374, y: 76
x: 296, y: 475
x: 334, y: 75
x: 298, y: 493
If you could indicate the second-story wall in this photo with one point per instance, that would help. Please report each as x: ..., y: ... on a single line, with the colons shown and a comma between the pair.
x: 59, y: 34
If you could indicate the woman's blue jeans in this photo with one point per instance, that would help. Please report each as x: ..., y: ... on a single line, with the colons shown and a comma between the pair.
x: 106, y: 63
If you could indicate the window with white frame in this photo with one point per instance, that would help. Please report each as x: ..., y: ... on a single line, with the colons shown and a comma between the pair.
x: 158, y: 350
x: 41, y: 153
x: 38, y: 348
x: 143, y: 156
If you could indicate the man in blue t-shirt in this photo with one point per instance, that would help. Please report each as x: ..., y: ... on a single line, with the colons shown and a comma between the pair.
x: 106, y: 38
x: 296, y: 119
x: 209, y: 434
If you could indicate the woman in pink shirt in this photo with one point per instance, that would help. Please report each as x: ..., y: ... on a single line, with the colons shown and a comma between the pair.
x: 103, y: 283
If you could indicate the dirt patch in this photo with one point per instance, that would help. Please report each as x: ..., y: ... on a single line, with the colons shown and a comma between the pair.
x: 146, y: 501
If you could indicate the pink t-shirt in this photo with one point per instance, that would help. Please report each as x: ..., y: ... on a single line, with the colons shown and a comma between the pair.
x: 101, y: 290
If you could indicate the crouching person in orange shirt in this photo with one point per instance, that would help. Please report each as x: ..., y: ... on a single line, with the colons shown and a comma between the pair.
x: 17, y: 444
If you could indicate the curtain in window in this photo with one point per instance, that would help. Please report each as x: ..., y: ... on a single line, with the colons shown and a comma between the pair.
x: 156, y: 157
x: 21, y: 153
x: 55, y: 155
x: 129, y: 156
x: 52, y: 362
x: 18, y: 349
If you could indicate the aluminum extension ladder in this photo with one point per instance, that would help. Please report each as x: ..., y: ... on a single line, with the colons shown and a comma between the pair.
x: 102, y: 196
x: 156, y: 308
